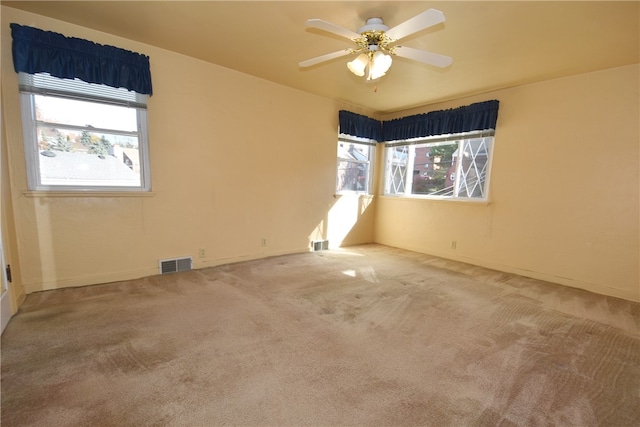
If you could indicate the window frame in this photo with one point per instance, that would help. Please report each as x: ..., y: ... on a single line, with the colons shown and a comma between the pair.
x: 372, y: 144
x: 449, y: 139
x: 30, y: 125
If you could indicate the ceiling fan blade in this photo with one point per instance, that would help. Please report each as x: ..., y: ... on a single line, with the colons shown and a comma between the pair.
x: 423, y: 56
x: 332, y: 28
x: 419, y: 22
x: 323, y: 58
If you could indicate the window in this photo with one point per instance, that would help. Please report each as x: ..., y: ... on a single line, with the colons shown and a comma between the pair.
x: 354, y: 165
x: 453, y: 166
x: 83, y: 136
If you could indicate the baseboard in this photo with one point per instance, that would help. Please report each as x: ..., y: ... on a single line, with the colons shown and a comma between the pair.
x: 546, y: 277
x: 20, y: 297
x: 85, y: 280
x: 200, y: 263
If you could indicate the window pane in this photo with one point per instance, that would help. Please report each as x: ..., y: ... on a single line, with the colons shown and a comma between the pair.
x: 434, y: 169
x: 354, y: 162
x: 473, y: 168
x: 352, y: 176
x: 82, y: 113
x: 81, y: 158
x: 397, y: 160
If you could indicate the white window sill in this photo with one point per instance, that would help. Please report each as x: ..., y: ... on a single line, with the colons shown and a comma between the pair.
x: 352, y: 194
x: 437, y: 199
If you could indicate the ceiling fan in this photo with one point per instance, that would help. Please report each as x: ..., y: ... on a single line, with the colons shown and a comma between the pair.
x: 376, y: 43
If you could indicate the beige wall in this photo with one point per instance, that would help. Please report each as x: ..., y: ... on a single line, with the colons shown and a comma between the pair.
x: 234, y: 159
x: 564, y: 188
x: 7, y: 224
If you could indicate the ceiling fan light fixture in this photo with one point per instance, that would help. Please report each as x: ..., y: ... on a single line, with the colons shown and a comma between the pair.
x: 358, y: 65
x: 380, y: 64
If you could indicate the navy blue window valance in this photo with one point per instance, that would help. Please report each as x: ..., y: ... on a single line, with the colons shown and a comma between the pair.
x: 39, y: 51
x: 357, y: 125
x: 478, y: 116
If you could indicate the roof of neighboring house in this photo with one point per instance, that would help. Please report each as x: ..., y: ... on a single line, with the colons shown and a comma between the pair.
x: 82, y: 166
x: 348, y: 153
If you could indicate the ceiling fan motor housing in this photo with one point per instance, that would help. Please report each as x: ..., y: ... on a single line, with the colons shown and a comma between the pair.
x: 373, y: 24
x: 373, y: 35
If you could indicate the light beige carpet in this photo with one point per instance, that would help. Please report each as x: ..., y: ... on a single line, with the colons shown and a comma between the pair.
x: 368, y: 335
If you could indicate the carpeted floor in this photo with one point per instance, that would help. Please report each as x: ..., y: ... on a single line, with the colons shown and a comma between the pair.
x: 367, y: 336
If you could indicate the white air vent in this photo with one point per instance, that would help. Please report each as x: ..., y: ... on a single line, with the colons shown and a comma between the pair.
x: 320, y: 245
x: 174, y: 265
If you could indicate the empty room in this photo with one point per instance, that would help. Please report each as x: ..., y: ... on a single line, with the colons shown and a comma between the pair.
x: 317, y: 213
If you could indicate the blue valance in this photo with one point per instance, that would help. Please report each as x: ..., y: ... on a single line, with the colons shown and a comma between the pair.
x: 479, y: 116
x: 357, y: 125
x: 39, y: 51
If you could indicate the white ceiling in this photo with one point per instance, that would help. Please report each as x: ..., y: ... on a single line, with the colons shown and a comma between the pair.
x: 494, y: 45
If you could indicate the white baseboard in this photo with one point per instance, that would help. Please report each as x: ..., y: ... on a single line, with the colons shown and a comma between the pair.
x: 627, y: 294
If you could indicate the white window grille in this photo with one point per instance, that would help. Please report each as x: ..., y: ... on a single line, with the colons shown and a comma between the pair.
x: 457, y: 166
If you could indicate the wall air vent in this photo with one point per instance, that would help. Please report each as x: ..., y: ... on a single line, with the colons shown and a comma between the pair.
x: 320, y: 245
x: 175, y: 265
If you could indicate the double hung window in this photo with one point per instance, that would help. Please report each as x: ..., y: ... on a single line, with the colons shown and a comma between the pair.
x: 355, y: 156
x: 83, y: 136
x: 452, y: 166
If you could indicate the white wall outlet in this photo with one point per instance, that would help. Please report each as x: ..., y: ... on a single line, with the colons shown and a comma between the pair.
x: 264, y: 242
x: 202, y: 253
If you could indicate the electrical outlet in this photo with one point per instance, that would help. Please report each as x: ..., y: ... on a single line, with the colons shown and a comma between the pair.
x: 454, y: 244
x: 264, y: 242
x: 202, y: 253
